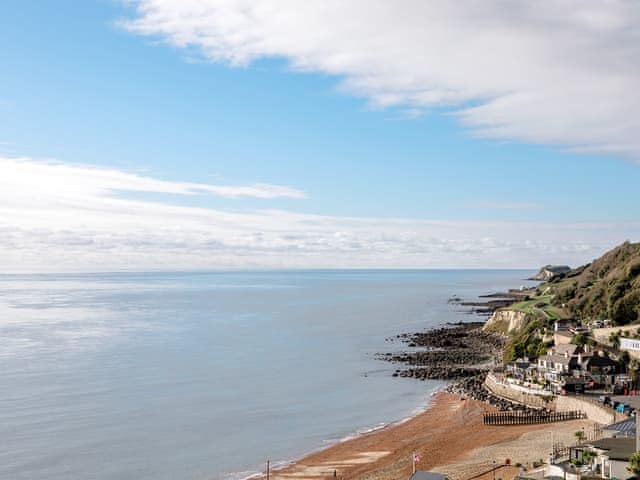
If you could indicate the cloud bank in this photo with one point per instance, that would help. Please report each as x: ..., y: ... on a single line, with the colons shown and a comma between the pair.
x: 556, y: 72
x: 63, y: 217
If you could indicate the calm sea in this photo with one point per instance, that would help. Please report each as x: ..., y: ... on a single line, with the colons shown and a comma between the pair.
x: 206, y: 375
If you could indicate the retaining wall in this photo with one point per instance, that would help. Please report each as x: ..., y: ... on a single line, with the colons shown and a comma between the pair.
x: 594, y: 411
x: 518, y: 396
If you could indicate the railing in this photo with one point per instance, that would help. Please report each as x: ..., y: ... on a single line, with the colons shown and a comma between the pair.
x: 529, y: 418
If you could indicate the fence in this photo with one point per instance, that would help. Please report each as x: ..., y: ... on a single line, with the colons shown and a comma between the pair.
x: 527, y: 418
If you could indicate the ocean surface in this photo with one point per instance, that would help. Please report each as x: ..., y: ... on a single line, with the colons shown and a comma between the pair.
x: 206, y: 375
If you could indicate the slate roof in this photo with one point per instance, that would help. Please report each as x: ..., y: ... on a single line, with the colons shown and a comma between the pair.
x: 602, y: 362
x: 424, y: 475
x: 561, y: 359
x: 617, y: 448
x: 627, y: 427
x: 565, y: 347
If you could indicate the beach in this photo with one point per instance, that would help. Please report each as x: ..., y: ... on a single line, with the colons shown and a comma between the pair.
x: 449, y: 437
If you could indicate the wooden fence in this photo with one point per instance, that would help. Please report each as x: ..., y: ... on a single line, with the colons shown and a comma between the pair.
x: 526, y: 418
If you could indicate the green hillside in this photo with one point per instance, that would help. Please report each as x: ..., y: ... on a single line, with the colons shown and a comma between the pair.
x: 608, y: 287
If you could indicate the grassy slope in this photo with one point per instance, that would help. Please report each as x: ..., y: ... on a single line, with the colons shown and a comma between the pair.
x: 609, y: 287
x: 540, y: 307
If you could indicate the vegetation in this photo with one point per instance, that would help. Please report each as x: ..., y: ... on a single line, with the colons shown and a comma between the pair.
x: 540, y: 307
x: 634, y: 463
x: 609, y: 287
x: 580, y: 339
x: 528, y: 342
x: 614, y: 339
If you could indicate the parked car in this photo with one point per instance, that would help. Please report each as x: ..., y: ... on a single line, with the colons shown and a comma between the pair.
x: 592, y: 385
x: 622, y: 407
x: 605, y: 400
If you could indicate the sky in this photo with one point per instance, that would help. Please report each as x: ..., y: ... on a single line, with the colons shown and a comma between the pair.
x: 233, y: 134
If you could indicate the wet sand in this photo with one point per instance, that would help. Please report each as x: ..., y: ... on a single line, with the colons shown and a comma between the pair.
x: 449, y: 437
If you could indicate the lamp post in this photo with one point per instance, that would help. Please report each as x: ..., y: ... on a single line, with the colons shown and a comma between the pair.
x: 494, y: 470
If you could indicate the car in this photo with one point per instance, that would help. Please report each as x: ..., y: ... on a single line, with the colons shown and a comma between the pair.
x: 618, y: 390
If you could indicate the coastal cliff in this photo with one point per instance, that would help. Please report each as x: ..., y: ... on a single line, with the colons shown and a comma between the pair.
x: 506, y: 321
x: 549, y: 272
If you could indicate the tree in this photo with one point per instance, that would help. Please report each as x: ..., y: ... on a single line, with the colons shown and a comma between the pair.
x: 579, y: 339
x: 634, y: 463
x: 614, y: 338
x: 624, y: 359
x: 579, y: 435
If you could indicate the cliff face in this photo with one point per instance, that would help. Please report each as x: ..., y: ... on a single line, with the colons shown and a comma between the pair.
x: 506, y: 321
x: 549, y: 272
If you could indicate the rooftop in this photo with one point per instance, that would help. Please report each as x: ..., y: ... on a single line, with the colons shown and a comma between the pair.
x: 565, y: 347
x: 627, y: 427
x: 616, y: 448
x: 424, y: 475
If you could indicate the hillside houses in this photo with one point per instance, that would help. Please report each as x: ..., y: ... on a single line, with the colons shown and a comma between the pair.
x: 568, y: 367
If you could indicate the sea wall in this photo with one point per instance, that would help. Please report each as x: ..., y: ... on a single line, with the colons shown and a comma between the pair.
x: 594, y: 411
x: 517, y: 395
x: 506, y: 321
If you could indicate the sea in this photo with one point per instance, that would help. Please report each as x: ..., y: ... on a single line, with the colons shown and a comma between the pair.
x: 207, y: 375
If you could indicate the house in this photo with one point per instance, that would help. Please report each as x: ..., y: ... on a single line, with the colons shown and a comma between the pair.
x: 572, y: 368
x: 562, y: 338
x: 560, y: 362
x: 561, y: 333
x: 631, y: 345
x: 522, y: 369
x: 612, y: 457
x: 601, y: 368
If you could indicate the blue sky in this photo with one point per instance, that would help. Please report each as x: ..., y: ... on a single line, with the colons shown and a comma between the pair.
x: 81, y: 86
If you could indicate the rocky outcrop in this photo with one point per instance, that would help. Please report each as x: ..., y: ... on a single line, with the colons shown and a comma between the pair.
x: 548, y: 272
x: 506, y: 321
x: 454, y: 352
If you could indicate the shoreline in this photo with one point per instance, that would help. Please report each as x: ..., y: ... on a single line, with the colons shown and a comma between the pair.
x: 441, y: 343
x: 454, y: 351
x: 445, y: 435
x: 278, y: 466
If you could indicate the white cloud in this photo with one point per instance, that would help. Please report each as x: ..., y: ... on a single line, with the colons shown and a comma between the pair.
x: 556, y: 72
x: 61, y: 217
x: 19, y: 175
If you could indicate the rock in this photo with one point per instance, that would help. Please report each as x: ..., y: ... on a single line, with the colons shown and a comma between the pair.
x: 506, y: 321
x: 548, y: 272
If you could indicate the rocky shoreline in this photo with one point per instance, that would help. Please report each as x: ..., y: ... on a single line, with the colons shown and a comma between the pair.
x: 462, y: 353
x: 447, y: 353
x: 494, y: 302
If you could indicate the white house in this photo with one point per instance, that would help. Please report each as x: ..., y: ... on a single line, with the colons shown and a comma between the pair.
x: 630, y: 344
